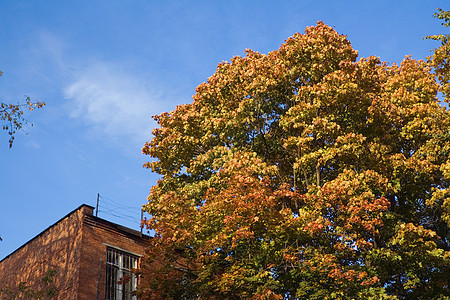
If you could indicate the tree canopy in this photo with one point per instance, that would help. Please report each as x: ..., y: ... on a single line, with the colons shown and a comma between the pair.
x: 306, y: 173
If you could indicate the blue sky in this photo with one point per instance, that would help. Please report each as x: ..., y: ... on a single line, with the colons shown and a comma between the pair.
x: 105, y: 67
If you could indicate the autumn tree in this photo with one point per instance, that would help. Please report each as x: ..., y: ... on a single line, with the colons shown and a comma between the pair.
x: 303, y: 174
x: 12, y: 118
x: 440, y: 59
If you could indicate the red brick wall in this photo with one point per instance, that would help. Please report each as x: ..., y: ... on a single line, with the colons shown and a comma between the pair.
x: 74, y: 247
x: 96, y: 234
x: 57, y: 248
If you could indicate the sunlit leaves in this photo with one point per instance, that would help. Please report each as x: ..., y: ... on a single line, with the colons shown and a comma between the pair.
x: 303, y: 173
x: 11, y: 115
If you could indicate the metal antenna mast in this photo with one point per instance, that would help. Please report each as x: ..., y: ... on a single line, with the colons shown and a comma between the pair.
x: 96, y: 208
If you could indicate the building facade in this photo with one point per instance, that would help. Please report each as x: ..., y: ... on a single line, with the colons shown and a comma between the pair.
x: 79, y: 257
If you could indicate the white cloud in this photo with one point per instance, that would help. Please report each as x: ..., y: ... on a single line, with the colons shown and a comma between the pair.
x: 111, y: 98
x: 33, y: 144
x: 115, y: 102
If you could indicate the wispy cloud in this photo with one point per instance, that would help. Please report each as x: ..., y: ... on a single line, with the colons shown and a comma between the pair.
x: 33, y: 144
x: 113, y: 98
x: 115, y: 102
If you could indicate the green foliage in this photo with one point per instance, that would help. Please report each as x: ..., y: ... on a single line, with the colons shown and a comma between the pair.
x: 303, y: 174
x: 440, y: 60
x: 445, y: 16
x: 47, y: 290
x: 12, y: 118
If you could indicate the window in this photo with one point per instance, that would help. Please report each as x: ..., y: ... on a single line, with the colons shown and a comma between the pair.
x: 118, y: 268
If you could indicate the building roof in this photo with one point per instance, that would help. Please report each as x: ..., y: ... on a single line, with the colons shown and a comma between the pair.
x: 92, y: 220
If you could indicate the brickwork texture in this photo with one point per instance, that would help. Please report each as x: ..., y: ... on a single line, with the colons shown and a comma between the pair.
x: 75, y: 249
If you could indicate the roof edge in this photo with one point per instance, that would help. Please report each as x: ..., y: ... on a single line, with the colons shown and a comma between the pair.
x: 48, y: 228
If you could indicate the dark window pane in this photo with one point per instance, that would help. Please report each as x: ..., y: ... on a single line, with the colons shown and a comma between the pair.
x: 118, y: 267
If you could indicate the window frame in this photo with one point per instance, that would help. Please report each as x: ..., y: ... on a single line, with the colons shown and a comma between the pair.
x: 120, y: 262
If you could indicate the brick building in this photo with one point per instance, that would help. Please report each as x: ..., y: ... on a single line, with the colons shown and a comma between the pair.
x: 84, y: 255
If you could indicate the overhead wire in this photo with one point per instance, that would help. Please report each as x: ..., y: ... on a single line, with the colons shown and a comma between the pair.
x: 117, y: 203
x: 110, y: 207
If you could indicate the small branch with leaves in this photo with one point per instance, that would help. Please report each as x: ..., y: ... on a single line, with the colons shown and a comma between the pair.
x: 12, y: 118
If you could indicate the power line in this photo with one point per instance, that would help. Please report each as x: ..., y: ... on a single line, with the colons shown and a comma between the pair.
x: 117, y: 203
x: 113, y: 208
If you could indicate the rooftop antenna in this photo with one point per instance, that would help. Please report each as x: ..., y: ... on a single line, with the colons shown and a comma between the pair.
x: 142, y: 217
x: 96, y: 208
